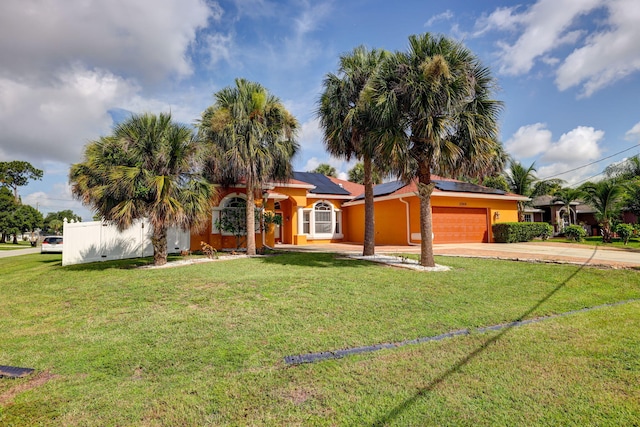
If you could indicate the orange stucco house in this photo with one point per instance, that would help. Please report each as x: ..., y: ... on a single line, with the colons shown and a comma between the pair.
x: 319, y: 209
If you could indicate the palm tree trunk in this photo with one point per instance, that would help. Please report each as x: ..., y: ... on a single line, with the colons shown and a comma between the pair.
x: 251, y: 220
x: 520, y: 211
x: 425, y: 188
x: 369, y: 219
x: 159, y: 242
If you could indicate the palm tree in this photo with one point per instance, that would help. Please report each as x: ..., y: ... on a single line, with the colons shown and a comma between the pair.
x: 252, y: 140
x: 522, y: 180
x: 605, y: 197
x: 326, y: 169
x: 345, y: 117
x: 356, y: 174
x: 147, y: 168
x: 567, y: 196
x: 439, y: 98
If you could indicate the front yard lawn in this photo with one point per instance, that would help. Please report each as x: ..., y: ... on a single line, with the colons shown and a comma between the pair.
x: 204, y: 344
x: 634, y: 243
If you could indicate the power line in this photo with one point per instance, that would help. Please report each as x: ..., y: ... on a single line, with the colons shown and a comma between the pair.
x: 592, y: 163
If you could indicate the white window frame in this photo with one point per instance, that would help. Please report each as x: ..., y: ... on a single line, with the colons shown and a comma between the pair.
x: 217, y: 211
x: 530, y: 216
x: 307, y: 222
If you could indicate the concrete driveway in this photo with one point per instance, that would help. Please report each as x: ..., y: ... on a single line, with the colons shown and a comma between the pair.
x: 529, y: 251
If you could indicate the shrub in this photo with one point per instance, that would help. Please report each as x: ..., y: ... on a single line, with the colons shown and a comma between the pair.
x: 625, y: 231
x: 512, y: 232
x: 575, y: 233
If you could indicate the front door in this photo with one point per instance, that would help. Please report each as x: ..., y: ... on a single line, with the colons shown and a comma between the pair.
x: 277, y: 231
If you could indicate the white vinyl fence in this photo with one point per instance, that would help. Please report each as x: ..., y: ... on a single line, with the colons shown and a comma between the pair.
x: 100, y: 241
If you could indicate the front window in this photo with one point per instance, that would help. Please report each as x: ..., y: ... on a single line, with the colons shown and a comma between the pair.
x: 306, y: 222
x: 322, y: 221
x: 230, y: 218
x: 528, y: 217
x: 234, y: 214
x: 322, y: 214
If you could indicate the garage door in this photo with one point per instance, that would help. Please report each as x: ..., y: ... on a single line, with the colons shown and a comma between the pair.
x: 460, y: 225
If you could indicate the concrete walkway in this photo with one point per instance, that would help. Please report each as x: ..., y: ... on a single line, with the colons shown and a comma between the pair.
x: 16, y: 252
x: 529, y: 251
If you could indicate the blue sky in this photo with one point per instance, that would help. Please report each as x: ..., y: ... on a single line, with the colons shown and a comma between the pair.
x: 568, y: 70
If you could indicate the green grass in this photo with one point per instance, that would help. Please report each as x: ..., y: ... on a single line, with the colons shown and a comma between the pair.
x: 204, y: 344
x: 633, y: 244
x: 10, y: 246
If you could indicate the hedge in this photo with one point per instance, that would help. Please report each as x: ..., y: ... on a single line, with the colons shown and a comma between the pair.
x: 512, y: 232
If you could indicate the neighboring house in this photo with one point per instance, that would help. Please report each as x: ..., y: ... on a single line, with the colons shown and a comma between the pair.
x: 318, y: 209
x: 558, y: 216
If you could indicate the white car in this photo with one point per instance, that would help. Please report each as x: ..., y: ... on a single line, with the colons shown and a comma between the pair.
x: 51, y: 244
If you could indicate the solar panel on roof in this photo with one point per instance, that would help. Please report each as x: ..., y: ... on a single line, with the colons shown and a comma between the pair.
x: 323, y: 184
x: 384, y: 189
x: 465, y: 187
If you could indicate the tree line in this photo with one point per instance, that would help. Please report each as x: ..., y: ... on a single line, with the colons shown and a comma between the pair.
x: 17, y: 218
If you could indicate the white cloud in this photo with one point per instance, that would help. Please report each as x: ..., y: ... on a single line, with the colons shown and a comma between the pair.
x: 311, y: 164
x: 147, y: 39
x: 546, y: 26
x: 53, y: 120
x: 573, y: 149
x: 219, y: 48
x: 576, y: 146
x: 65, y: 64
x: 529, y: 141
x: 444, y: 16
x: 634, y: 132
x: 503, y: 18
x: 608, y: 55
x: 601, y: 52
x: 557, y: 170
x: 310, y: 136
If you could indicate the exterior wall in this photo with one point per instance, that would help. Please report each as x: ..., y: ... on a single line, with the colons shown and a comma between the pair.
x: 93, y: 241
x: 391, y: 217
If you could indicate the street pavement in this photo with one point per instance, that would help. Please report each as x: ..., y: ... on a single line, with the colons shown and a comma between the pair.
x: 16, y: 252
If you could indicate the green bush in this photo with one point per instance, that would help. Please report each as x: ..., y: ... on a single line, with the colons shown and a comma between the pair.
x: 625, y: 231
x: 512, y: 232
x: 575, y: 233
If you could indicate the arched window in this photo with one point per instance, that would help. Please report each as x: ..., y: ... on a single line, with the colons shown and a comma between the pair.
x: 230, y: 217
x: 322, y: 216
x: 320, y: 221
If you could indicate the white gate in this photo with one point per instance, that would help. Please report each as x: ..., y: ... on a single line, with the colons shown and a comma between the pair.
x: 100, y: 241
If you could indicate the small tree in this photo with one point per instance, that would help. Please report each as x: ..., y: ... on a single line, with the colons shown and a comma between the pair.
x: 575, y: 233
x: 625, y: 232
x: 326, y: 169
x: 17, y: 174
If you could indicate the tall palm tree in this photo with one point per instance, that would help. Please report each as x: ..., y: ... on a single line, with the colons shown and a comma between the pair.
x: 605, y: 197
x: 148, y: 168
x: 345, y: 117
x: 445, y: 121
x: 567, y: 196
x: 523, y: 180
x: 252, y: 138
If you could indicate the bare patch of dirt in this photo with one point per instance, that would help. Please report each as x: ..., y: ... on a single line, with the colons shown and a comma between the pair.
x: 37, y: 380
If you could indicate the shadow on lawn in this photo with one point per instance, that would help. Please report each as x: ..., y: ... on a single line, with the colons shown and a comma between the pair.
x: 399, y: 409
